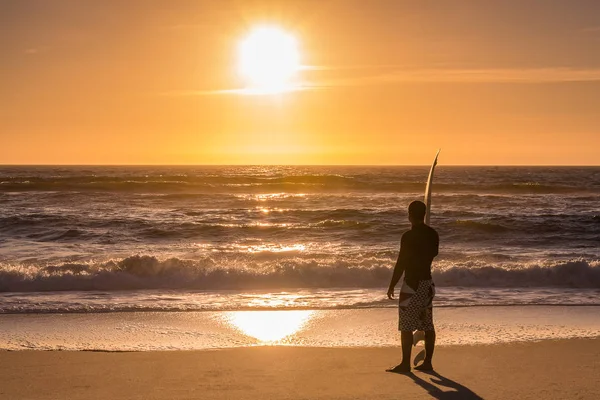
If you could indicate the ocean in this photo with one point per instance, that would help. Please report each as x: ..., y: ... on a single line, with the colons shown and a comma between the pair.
x: 156, y: 237
x: 83, y: 239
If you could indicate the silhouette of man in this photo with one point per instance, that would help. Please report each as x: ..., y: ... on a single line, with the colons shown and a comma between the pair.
x: 418, y: 248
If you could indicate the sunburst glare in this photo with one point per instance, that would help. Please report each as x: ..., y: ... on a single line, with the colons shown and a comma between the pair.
x: 269, y: 59
x: 269, y: 326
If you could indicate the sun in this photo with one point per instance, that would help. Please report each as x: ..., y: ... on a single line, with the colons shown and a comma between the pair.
x: 269, y: 60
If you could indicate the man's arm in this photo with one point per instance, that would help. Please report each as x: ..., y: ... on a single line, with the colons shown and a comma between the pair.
x: 398, y: 268
x: 436, y: 244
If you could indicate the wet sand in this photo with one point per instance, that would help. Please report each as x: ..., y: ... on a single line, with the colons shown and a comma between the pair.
x: 371, y: 327
x: 551, y: 369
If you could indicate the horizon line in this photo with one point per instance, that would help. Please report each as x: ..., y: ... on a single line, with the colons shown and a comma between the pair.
x: 297, y: 165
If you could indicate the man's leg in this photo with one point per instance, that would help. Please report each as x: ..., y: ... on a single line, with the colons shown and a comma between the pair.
x: 429, y: 347
x: 407, y: 342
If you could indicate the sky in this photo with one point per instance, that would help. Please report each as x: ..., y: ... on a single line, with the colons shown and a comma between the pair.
x: 513, y: 82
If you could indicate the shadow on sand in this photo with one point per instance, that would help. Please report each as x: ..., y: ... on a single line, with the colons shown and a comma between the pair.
x: 459, y: 392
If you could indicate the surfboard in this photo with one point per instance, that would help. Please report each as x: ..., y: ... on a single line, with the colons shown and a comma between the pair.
x: 427, y: 199
x: 419, y: 336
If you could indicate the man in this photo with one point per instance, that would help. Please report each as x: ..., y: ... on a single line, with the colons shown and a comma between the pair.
x: 418, y: 247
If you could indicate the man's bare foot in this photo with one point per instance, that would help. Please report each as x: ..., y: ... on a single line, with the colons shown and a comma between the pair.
x: 425, y: 367
x: 400, y: 368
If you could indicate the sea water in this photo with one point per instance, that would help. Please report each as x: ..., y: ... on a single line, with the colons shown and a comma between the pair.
x: 226, y: 239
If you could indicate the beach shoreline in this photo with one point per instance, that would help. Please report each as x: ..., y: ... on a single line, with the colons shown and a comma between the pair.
x: 549, y: 369
x: 370, y: 327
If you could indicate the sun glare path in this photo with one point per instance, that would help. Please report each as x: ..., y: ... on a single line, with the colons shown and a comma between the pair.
x: 275, y: 248
x: 269, y: 59
x: 269, y: 326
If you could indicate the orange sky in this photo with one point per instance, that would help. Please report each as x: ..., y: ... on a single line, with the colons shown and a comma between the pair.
x: 145, y: 82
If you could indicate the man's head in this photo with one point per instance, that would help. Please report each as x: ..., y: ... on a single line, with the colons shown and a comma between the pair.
x: 416, y: 212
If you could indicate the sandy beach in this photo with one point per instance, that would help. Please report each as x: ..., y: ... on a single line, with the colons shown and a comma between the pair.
x: 552, y: 369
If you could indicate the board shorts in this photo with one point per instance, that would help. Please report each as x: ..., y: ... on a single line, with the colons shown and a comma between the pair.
x: 415, y: 307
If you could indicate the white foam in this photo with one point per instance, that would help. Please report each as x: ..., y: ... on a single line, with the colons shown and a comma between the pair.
x: 282, y: 270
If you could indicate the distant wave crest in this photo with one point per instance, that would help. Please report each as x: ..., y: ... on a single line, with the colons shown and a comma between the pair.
x: 481, y: 226
x: 258, y: 184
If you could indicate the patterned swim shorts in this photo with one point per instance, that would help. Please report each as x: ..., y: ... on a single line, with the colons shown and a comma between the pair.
x: 415, y: 307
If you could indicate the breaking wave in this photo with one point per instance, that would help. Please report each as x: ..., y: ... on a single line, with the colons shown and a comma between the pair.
x: 147, y: 272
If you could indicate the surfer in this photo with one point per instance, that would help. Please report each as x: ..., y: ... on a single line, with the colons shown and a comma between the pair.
x: 418, y: 247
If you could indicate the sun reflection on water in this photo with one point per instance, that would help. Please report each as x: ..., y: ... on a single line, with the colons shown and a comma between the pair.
x: 269, y: 326
x: 276, y: 248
